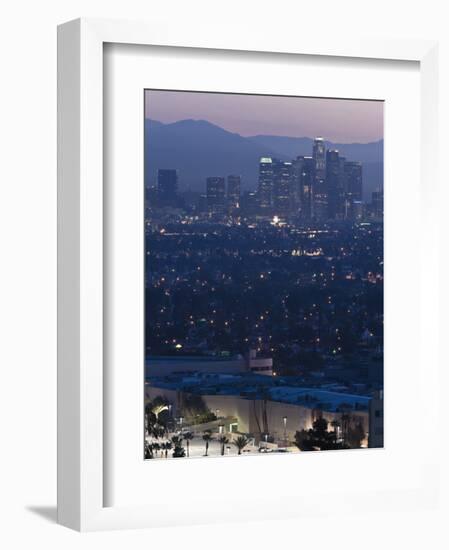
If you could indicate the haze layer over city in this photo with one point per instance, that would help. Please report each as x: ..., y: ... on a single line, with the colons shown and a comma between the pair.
x: 264, y: 274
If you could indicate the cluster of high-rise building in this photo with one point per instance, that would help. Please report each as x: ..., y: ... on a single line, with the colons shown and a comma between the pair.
x: 167, y: 186
x: 323, y: 186
x: 223, y: 196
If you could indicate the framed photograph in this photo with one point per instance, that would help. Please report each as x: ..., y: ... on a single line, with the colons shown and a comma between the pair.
x: 247, y: 271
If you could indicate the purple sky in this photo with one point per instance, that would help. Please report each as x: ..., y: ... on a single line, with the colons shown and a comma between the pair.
x: 338, y: 120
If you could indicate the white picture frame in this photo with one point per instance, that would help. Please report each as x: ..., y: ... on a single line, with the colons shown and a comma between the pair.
x: 82, y: 394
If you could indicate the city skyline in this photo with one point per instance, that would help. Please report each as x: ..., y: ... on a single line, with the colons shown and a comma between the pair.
x: 200, y: 149
x: 325, y: 185
x: 339, y: 120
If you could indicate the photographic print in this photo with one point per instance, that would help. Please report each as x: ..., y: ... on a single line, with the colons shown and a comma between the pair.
x: 263, y: 274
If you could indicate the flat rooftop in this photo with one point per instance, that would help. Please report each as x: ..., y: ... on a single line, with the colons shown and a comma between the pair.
x: 191, y: 358
x: 253, y: 387
x: 314, y: 397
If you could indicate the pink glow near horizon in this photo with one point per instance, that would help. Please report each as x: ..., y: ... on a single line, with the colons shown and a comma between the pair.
x: 338, y: 120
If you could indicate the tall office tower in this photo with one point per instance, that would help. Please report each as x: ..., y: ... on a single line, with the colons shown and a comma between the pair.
x: 296, y: 191
x: 265, y: 189
x: 307, y: 181
x: 216, y: 195
x: 167, y: 187
x: 353, y: 187
x: 250, y: 203
x: 233, y: 194
x: 335, y: 184
x: 320, y: 191
x: 341, y: 195
x: 377, y: 204
x: 283, y: 184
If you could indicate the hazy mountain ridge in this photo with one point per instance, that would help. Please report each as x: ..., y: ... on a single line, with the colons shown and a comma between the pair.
x: 363, y: 152
x: 199, y: 149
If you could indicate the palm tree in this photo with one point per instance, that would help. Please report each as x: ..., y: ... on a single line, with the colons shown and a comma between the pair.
x: 207, y: 436
x: 157, y: 431
x: 157, y: 409
x: 265, y: 412
x: 336, y: 425
x: 156, y: 448
x: 241, y: 442
x: 150, y: 419
x: 177, y: 440
x: 345, y: 425
x: 188, y: 436
x: 223, y: 440
x: 148, y: 450
x: 165, y: 447
x: 178, y: 451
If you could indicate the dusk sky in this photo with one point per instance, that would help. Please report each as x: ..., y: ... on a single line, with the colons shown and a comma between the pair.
x: 338, y: 120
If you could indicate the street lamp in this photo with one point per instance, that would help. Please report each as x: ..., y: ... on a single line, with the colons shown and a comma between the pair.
x: 285, y: 429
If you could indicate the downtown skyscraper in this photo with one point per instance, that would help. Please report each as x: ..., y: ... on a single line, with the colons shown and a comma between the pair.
x: 167, y: 187
x: 320, y: 187
x: 335, y: 184
x: 276, y: 185
x: 307, y: 187
x: 265, y: 187
x: 216, y: 195
x: 283, y: 187
x: 233, y: 192
x: 353, y: 188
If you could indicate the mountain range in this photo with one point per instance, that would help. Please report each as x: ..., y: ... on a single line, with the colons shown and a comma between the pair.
x: 199, y: 149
